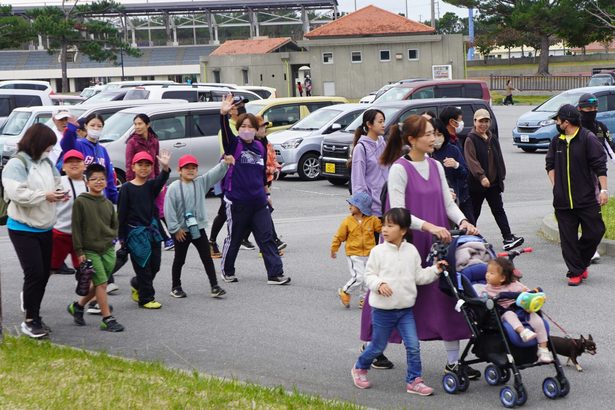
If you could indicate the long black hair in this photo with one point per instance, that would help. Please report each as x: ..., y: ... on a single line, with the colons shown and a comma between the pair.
x: 369, y: 116
x: 147, y: 120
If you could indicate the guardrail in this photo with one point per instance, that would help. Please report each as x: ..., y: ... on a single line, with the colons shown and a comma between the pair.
x: 539, y: 82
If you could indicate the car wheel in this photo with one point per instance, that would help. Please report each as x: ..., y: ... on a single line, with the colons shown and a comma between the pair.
x: 120, y: 178
x: 309, y: 167
x: 529, y: 149
x: 338, y: 181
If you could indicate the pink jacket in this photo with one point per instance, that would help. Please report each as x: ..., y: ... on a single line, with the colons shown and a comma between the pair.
x: 135, y: 144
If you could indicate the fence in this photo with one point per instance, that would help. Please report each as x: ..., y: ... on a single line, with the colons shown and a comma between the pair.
x: 539, y: 82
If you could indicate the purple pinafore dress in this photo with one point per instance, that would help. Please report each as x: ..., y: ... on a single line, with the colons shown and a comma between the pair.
x: 434, y: 311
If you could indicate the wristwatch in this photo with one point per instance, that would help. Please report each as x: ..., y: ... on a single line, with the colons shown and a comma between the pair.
x: 606, y: 191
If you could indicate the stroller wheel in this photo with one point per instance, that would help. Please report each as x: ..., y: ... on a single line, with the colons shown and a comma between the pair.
x: 508, y: 397
x: 464, y: 381
x: 565, y: 386
x: 492, y: 375
x: 551, y: 388
x: 504, y: 374
x: 450, y: 383
x: 521, y: 396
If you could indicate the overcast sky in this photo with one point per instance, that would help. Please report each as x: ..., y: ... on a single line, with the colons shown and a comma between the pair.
x: 419, y: 10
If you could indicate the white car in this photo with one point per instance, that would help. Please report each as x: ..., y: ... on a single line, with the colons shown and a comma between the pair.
x: 26, y: 85
x: 11, y: 99
x: 21, y: 119
x: 188, y: 92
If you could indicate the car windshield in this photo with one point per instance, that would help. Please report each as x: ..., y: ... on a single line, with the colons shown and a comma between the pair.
x: 316, y: 120
x: 553, y: 104
x: 16, y: 123
x: 102, y: 97
x: 394, y: 94
x: 253, y: 108
x: 77, y: 112
x: 600, y: 80
x: 116, y: 126
x: 389, y: 113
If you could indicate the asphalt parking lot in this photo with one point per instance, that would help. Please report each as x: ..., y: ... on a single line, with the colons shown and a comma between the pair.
x: 300, y: 336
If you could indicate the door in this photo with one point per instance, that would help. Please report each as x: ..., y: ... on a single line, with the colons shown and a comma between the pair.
x: 204, y: 141
x: 171, y: 131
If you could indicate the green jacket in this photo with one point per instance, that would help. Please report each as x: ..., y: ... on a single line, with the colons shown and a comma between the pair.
x: 94, y: 223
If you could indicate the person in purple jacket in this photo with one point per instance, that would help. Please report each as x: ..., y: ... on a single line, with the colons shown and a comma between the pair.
x: 92, y: 150
x: 247, y: 202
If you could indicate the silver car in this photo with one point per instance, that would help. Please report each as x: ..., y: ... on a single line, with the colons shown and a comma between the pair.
x: 298, y: 148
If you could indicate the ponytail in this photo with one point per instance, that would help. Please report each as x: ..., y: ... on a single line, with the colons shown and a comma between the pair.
x: 369, y: 116
x: 413, y: 127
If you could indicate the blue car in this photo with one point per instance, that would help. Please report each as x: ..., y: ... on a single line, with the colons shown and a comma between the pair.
x: 535, y: 129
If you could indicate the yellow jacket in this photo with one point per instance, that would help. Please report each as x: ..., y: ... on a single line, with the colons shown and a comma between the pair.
x: 359, y: 237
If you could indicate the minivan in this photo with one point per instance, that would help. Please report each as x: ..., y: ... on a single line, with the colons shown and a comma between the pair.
x: 11, y: 99
x: 437, y: 89
x: 335, y: 149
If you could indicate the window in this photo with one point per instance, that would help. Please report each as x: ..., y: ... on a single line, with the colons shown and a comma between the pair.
x: 244, y: 74
x: 217, y: 76
x: 417, y: 111
x: 473, y: 91
x: 413, y: 54
x: 205, y: 124
x: 170, y: 128
x: 348, y: 118
x: 27, y: 100
x: 283, y: 115
x: 5, y: 106
x: 356, y: 57
x: 427, y: 92
x: 385, y: 55
x: 327, y: 58
x: 449, y: 91
x: 313, y: 106
x: 188, y: 95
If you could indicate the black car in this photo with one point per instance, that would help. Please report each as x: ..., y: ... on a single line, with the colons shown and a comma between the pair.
x: 335, y: 148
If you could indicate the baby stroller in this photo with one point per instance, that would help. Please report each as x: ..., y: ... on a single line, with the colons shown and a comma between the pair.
x: 492, y: 341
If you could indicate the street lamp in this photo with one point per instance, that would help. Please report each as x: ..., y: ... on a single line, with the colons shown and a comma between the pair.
x: 122, y: 61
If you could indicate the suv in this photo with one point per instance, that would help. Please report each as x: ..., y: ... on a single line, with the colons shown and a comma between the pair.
x: 190, y: 93
x: 26, y: 85
x: 188, y: 128
x: 437, y: 89
x: 298, y: 148
x: 11, y: 99
x: 336, y: 147
x: 535, y: 129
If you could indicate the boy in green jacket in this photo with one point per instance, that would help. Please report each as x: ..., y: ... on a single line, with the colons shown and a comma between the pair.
x: 94, y: 229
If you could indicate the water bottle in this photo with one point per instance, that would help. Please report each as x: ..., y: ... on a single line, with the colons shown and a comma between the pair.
x: 192, y: 225
x: 84, y: 277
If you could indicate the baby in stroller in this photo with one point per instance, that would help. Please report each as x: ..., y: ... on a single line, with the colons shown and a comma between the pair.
x: 501, y: 281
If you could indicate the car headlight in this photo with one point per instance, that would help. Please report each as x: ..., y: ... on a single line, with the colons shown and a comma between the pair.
x: 544, y: 123
x: 292, y: 144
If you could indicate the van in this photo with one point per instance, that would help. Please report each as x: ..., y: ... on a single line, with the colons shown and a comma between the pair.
x: 437, y: 89
x: 11, y: 99
x: 188, y: 128
x: 190, y: 93
x: 282, y: 113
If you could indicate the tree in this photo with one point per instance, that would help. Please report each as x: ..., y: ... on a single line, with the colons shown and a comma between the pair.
x: 14, y: 30
x: 602, y: 10
x: 75, y: 27
x: 449, y: 23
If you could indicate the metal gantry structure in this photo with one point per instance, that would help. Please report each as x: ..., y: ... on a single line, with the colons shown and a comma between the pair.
x: 148, y: 15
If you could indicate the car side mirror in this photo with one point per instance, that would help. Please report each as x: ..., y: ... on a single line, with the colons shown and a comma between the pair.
x: 335, y: 127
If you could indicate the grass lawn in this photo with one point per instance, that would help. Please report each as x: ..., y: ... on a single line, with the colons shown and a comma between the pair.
x: 608, y: 214
x: 39, y: 374
x: 498, y: 97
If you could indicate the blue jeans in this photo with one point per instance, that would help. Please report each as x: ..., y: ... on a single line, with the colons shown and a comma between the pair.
x: 383, y: 323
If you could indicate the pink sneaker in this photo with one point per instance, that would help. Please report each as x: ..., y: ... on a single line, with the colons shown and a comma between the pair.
x: 359, y: 377
x: 418, y: 387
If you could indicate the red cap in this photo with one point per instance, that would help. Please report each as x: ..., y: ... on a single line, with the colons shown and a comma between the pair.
x: 142, y: 156
x: 73, y: 153
x: 187, y: 160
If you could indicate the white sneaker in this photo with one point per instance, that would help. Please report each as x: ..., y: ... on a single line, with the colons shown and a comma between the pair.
x: 527, y: 335
x: 595, y: 258
x: 544, y: 355
x: 112, y: 288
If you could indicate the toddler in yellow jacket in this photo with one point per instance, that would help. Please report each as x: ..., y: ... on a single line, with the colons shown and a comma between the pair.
x: 358, y: 230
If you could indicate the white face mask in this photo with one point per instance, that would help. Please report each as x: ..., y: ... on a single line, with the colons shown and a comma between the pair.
x: 459, y: 127
x: 94, y: 134
x: 438, y: 142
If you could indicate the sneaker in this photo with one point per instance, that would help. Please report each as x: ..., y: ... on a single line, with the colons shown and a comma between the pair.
x: 278, y: 280
x: 344, y: 298
x: 169, y: 244
x: 93, y: 308
x: 527, y: 335
x: 33, y: 329
x: 575, y: 280
x: 361, y: 302
x: 77, y: 313
x: 247, y: 245
x: 112, y: 288
x: 110, y: 325
x: 229, y: 278
x: 134, y: 293
x: 512, y: 242
x: 178, y: 292
x: 595, y: 258
x: 359, y: 378
x: 280, y: 243
x: 585, y: 274
x: 65, y: 270
x: 44, y: 325
x: 217, y: 291
x: 151, y: 305
x: 472, y: 373
x: 215, y: 251
x: 544, y: 355
x: 382, y: 362
x: 419, y: 387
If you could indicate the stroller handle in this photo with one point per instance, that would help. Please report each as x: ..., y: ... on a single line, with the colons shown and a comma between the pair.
x: 516, y: 252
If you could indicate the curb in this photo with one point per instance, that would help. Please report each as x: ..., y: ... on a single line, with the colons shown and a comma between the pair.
x: 549, y: 231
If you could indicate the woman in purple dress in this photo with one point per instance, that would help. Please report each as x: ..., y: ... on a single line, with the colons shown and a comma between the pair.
x: 418, y: 183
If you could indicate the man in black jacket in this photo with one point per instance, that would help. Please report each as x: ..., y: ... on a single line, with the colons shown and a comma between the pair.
x: 576, y: 166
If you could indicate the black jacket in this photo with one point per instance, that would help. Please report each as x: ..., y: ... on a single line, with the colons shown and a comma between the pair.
x: 577, y: 166
x: 601, y: 131
x: 483, y: 148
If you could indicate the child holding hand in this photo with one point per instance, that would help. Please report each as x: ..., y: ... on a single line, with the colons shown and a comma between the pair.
x: 500, y: 278
x: 392, y: 274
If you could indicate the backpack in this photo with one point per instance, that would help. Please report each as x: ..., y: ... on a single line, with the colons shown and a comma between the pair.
x: 4, y: 203
x: 384, y: 196
x: 349, y: 166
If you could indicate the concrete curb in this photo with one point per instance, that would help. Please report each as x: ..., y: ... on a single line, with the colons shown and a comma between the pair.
x: 549, y: 231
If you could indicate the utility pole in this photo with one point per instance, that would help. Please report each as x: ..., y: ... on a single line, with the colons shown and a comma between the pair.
x: 433, y: 13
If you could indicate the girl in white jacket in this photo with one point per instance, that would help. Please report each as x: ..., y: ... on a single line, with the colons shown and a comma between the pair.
x: 392, y: 273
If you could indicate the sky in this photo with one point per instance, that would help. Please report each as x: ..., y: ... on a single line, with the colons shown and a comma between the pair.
x: 419, y: 10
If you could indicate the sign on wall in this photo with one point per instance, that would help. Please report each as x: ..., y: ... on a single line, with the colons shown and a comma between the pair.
x: 442, y: 72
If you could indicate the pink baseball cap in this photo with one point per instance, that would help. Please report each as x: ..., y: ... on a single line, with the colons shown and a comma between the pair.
x: 142, y: 156
x: 187, y: 160
x: 73, y: 153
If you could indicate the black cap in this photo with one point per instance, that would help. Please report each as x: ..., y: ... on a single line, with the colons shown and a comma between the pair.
x: 587, y: 100
x: 239, y: 100
x: 568, y: 112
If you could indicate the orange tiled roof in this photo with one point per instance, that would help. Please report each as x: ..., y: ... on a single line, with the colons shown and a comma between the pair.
x: 251, y: 46
x: 370, y: 21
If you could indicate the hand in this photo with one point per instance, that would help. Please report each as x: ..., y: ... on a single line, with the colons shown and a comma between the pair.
x: 450, y: 163
x: 227, y: 104
x: 82, y: 259
x: 441, y: 265
x: 54, y: 196
x: 333, y: 254
x: 180, y: 235
x: 470, y: 229
x: 385, y: 290
x: 229, y: 160
x: 453, y: 195
x: 603, y: 198
x: 73, y: 121
x: 441, y: 233
x: 485, y: 182
x: 164, y: 158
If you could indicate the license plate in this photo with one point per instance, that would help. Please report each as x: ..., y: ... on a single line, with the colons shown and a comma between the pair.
x: 330, y: 168
x: 525, y: 138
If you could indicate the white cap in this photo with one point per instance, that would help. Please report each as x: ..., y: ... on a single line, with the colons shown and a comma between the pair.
x: 61, y: 114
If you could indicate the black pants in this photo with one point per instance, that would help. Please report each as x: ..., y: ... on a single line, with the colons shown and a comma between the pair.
x: 494, y: 199
x: 468, y: 210
x: 144, y: 281
x: 220, y: 219
x: 578, y: 252
x: 181, y: 249
x: 34, y: 253
x: 508, y: 100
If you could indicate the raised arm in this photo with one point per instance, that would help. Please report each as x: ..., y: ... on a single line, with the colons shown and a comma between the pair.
x: 229, y: 140
x: 69, y: 139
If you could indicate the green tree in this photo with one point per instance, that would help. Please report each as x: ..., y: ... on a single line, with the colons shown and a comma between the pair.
x: 14, y: 30
x: 449, y: 23
x: 75, y: 27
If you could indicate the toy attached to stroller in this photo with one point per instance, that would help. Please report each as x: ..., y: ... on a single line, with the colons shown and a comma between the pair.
x: 493, y: 341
